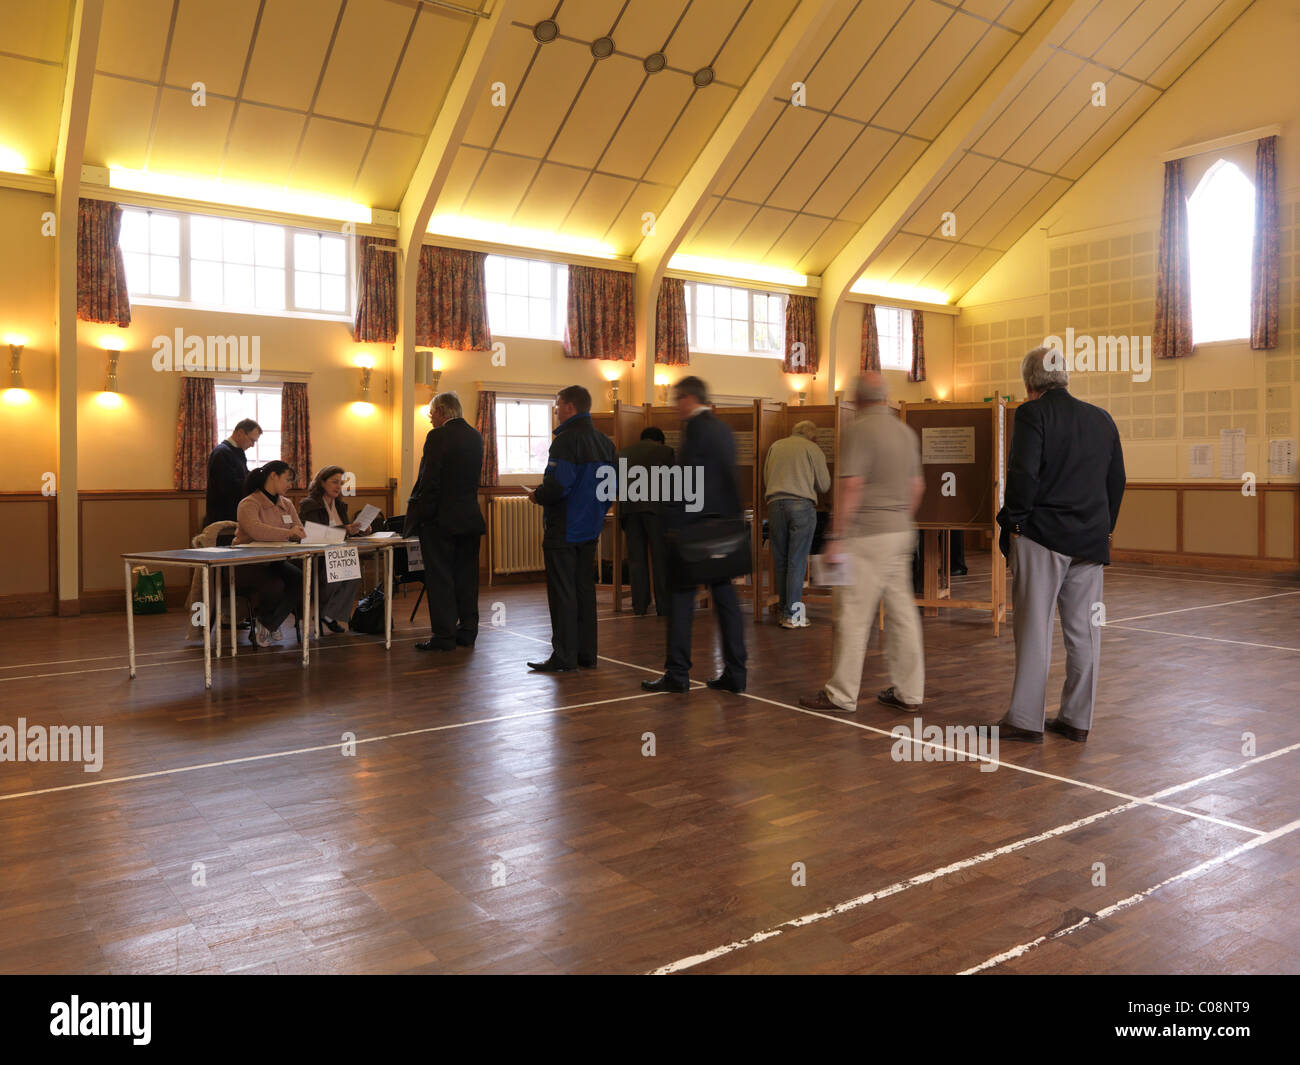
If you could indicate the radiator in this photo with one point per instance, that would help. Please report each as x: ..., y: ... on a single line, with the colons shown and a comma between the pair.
x: 516, y: 535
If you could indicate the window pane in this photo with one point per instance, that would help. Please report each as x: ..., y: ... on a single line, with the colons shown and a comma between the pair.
x: 306, y: 290
x: 333, y: 293
x: 517, y: 454
x: 267, y: 413
x: 238, y: 285
x: 134, y: 235
x: 164, y: 276
x: 517, y: 420
x: 516, y: 276
x: 269, y: 245
x: 496, y: 312
x: 333, y: 255
x: 516, y: 316
x: 237, y: 239
x: 165, y: 235
x: 205, y: 282
x: 494, y: 269
x: 306, y: 251
x: 539, y: 279
x: 539, y: 419
x: 205, y: 238
x: 137, y: 272
x: 539, y: 318
x: 705, y: 294
x: 270, y: 288
x: 739, y: 304
x: 739, y: 336
x: 704, y: 331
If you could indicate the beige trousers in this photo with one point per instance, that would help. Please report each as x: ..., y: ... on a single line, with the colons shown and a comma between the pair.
x: 879, y: 566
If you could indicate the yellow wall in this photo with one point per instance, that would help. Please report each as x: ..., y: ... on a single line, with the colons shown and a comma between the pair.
x: 1090, y: 263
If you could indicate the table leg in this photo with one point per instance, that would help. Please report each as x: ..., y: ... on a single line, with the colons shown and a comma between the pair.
x: 304, y: 623
x: 216, y: 575
x: 315, y: 593
x: 234, y: 621
x: 207, y: 634
x: 388, y: 598
x: 130, y: 621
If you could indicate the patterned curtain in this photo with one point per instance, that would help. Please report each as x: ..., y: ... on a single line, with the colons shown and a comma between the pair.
x: 295, y: 432
x: 671, y: 345
x: 376, y: 291
x: 1173, y: 328
x: 1265, y: 273
x: 870, y: 341
x: 800, y: 328
x: 451, y: 300
x: 101, y: 270
x: 486, y: 424
x: 601, y: 324
x: 196, y: 433
x: 917, y: 372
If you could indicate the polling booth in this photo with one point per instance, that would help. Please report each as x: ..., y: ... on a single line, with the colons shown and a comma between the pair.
x: 623, y: 425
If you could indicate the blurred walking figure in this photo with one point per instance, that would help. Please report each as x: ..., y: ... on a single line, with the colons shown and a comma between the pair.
x: 643, y: 523
x: 709, y: 545
x: 1065, y: 483
x: 794, y: 472
x: 874, y: 534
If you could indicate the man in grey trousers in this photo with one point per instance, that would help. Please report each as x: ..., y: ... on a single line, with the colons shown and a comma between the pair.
x: 1065, y: 481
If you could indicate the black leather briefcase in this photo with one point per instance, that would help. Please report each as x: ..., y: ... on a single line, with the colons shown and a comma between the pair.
x: 713, y: 550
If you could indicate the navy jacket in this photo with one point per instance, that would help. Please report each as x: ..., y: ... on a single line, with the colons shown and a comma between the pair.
x: 708, y: 443
x: 445, y: 496
x: 1065, y: 477
x: 574, y: 511
x: 227, y: 471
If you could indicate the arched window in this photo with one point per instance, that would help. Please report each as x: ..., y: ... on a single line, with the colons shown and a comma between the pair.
x: 1221, y: 224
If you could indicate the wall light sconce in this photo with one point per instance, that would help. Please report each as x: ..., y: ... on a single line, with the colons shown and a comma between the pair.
x: 661, y: 389
x: 428, y: 370
x: 16, y: 395
x: 362, y: 406
x: 613, y: 376
x: 109, y: 398
x: 801, y: 386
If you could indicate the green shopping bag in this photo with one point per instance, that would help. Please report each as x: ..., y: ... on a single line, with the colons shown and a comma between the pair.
x: 149, y: 596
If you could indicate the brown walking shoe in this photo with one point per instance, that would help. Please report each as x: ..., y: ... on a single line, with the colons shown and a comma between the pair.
x: 822, y: 701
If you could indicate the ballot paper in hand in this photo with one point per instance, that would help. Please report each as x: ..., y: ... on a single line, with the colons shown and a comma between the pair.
x: 366, y: 517
x: 316, y: 533
x: 828, y: 574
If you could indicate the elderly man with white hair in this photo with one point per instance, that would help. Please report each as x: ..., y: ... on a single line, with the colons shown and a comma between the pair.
x: 794, y: 472
x: 1065, y: 481
x: 874, y: 535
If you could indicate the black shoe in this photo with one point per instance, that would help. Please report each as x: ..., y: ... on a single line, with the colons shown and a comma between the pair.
x: 725, y: 683
x: 665, y: 684
x: 1008, y: 731
x: 464, y: 639
x: 1079, y: 735
x: 958, y: 571
x: 551, y: 666
x: 437, y: 643
x: 297, y: 631
x: 586, y: 665
x: 332, y: 625
x: 243, y: 625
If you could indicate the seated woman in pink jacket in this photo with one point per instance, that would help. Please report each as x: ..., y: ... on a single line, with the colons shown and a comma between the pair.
x: 267, y: 515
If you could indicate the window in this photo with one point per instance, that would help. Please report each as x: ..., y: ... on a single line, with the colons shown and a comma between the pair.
x: 1221, y: 226
x: 523, y: 435
x: 237, y: 401
x: 734, y: 321
x: 526, y: 297
x: 894, y: 326
x: 233, y: 264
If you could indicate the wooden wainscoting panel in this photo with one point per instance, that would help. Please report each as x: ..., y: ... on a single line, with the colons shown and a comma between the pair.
x: 1218, y: 522
x: 1148, y: 519
x: 1279, y: 524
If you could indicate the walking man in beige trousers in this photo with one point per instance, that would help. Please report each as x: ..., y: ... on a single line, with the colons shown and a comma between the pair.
x: 874, y: 535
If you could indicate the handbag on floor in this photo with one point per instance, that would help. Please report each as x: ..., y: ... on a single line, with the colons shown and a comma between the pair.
x: 149, y: 596
x: 368, y: 617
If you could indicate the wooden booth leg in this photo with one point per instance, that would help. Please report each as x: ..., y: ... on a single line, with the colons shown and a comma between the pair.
x: 931, y: 565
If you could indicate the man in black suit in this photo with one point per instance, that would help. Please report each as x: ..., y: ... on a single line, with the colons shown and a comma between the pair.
x: 643, y: 522
x: 1065, y: 481
x: 443, y: 511
x: 707, y: 451
x: 227, y: 471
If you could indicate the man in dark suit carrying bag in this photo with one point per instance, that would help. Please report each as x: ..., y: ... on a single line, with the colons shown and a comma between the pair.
x: 443, y: 511
x: 708, y: 543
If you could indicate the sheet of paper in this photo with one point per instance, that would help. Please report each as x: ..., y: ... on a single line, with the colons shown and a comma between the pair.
x: 219, y: 550
x: 1232, y: 453
x: 947, y: 444
x: 385, y: 535
x: 341, y: 564
x: 1281, y: 458
x: 317, y: 533
x: 414, y: 559
x: 367, y: 516
x: 1200, y: 460
x: 827, y: 574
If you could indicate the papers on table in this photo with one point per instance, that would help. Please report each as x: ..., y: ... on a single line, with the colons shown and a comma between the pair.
x: 217, y: 550
x: 378, y: 536
x: 367, y: 516
x: 828, y: 574
x: 316, y: 534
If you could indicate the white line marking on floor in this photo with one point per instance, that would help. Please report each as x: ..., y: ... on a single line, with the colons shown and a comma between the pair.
x: 603, y: 658
x: 1133, y: 900
x: 1214, y: 639
x: 324, y: 746
x: 1011, y: 765
x: 965, y: 863
x: 1207, y: 606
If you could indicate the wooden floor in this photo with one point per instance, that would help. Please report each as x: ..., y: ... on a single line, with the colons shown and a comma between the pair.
x: 496, y: 821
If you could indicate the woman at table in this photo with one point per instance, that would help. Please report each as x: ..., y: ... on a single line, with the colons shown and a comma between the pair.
x: 325, y: 505
x: 266, y: 515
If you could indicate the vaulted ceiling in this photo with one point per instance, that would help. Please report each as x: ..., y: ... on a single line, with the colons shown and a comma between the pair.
x: 593, y: 120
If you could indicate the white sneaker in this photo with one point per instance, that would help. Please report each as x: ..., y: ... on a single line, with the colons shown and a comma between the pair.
x: 276, y: 637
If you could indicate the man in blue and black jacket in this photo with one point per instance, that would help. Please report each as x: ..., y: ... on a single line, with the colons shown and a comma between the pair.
x: 575, y: 494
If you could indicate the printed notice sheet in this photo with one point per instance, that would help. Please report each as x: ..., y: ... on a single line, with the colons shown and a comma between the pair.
x: 1232, y: 454
x: 1281, y: 458
x: 947, y: 444
x: 1200, y: 460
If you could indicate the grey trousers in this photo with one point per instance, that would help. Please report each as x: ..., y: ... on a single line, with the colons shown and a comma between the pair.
x: 1044, y: 581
